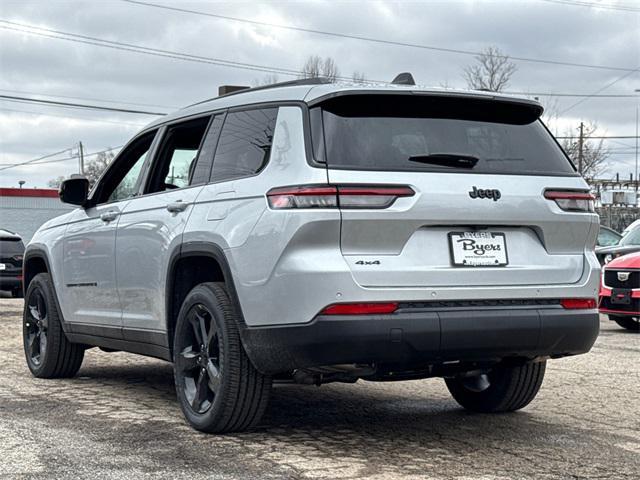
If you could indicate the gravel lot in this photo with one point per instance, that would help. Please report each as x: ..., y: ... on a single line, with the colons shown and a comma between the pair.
x: 119, y: 419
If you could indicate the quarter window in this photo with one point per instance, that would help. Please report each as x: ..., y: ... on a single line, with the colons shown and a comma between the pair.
x: 245, y: 143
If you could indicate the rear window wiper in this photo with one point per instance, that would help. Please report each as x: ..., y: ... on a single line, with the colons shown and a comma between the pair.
x: 453, y: 160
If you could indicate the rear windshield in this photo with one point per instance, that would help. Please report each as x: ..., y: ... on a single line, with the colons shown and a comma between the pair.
x: 407, y: 133
x: 11, y: 246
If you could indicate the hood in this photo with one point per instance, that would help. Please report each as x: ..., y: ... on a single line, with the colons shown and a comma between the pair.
x: 631, y: 260
x: 617, y: 249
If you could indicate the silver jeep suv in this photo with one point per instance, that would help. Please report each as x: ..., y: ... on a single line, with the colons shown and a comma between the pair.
x: 318, y: 232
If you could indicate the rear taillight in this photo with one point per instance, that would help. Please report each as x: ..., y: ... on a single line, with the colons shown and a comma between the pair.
x: 578, y: 303
x: 360, y: 308
x: 333, y: 196
x: 572, y: 201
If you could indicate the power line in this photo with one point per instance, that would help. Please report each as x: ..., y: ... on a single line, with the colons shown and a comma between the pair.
x: 209, y: 60
x: 602, y: 136
x: 369, y: 39
x: 138, y: 125
x: 78, y: 105
x: 57, y: 34
x: 37, y: 159
x: 600, y: 90
x: 89, y: 99
x: 35, y: 162
x: 574, y: 3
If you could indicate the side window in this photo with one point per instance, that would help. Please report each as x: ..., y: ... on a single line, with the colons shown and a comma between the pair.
x: 177, y: 156
x: 127, y: 186
x: 122, y: 179
x: 202, y: 170
x: 245, y: 143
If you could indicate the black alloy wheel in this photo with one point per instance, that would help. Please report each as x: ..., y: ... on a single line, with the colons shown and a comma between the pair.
x: 36, y: 326
x: 218, y: 388
x: 198, y: 362
x: 48, y: 352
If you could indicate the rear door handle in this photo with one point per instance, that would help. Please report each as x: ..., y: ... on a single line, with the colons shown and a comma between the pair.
x: 176, y: 207
x: 109, y: 216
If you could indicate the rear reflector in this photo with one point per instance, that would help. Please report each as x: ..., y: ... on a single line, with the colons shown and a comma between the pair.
x: 333, y: 196
x: 578, y: 303
x: 572, y: 201
x: 359, y: 308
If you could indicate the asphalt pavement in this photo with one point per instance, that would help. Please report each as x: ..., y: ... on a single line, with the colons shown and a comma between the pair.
x: 119, y: 419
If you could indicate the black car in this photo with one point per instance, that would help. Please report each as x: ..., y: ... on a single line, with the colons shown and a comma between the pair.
x: 11, y: 254
x: 630, y: 243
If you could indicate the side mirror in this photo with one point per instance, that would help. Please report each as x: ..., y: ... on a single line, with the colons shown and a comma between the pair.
x: 74, y: 191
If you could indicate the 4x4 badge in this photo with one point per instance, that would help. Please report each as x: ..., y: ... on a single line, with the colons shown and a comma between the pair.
x: 485, y: 193
x: 623, y: 276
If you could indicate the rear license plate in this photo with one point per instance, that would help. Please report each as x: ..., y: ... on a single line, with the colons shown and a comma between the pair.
x: 478, y: 249
x: 620, y: 296
x: 3, y: 266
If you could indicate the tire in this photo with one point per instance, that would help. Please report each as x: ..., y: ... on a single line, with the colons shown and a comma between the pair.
x: 48, y: 352
x: 509, y: 389
x: 218, y: 388
x: 630, y: 323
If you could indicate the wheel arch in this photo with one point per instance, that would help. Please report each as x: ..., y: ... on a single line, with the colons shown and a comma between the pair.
x: 190, y: 264
x: 36, y: 261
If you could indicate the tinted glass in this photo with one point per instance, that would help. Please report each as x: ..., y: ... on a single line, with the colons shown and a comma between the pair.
x: 11, y: 247
x: 245, y: 143
x: 121, y: 180
x: 177, y: 156
x: 631, y: 238
x: 202, y: 170
x: 607, y: 238
x: 127, y: 187
x: 385, y: 135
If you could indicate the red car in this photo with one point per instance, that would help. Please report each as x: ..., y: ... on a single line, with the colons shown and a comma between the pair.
x: 620, y: 291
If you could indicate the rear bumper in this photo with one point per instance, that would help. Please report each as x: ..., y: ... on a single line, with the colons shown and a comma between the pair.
x: 9, y: 282
x: 424, y: 337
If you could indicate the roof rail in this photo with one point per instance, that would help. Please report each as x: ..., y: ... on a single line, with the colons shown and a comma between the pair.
x: 290, y: 83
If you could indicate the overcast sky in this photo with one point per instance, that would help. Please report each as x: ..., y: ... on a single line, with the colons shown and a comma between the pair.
x: 53, y: 68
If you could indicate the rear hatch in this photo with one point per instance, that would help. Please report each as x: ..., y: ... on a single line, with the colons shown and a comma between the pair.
x: 496, y: 201
x: 11, y: 254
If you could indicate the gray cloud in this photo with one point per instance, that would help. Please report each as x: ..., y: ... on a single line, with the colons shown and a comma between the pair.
x: 56, y: 67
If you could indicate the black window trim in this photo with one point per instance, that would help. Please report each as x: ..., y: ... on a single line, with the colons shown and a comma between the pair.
x: 243, y: 108
x: 116, y: 164
x: 142, y: 190
x: 161, y: 127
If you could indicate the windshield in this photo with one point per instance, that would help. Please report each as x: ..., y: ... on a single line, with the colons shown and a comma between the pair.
x: 631, y: 238
x: 607, y: 238
x: 395, y: 137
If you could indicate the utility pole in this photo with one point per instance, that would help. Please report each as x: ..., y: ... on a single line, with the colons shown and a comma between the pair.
x: 636, y: 149
x: 81, y: 157
x: 580, y: 146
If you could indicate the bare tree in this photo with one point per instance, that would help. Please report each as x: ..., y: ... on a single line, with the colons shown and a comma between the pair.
x: 358, y: 77
x: 92, y: 169
x: 551, y: 113
x: 492, y: 71
x: 594, y: 153
x: 315, y: 67
x: 268, y: 79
